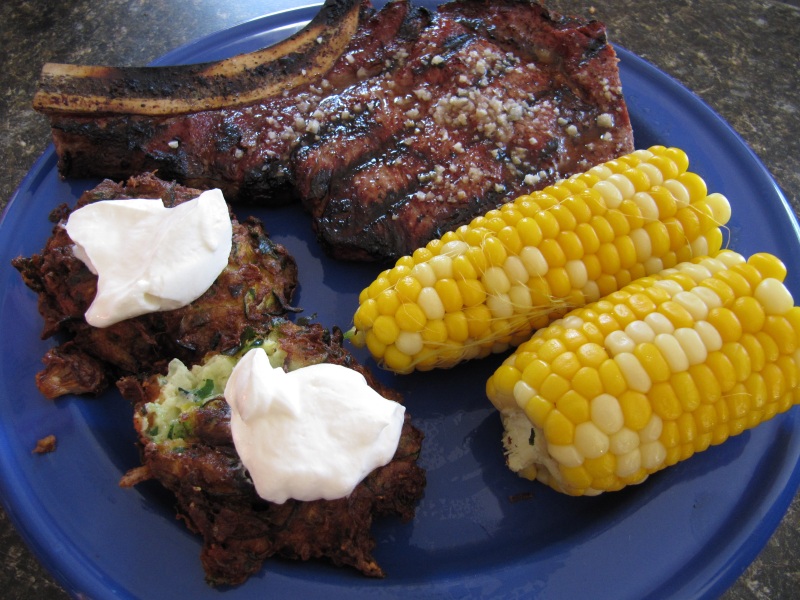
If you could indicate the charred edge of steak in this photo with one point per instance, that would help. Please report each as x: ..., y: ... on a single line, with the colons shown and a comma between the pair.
x: 243, y: 151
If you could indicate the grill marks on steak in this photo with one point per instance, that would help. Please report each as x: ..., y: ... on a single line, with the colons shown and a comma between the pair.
x: 216, y: 498
x: 243, y: 151
x: 493, y: 99
x: 426, y: 120
x: 258, y: 283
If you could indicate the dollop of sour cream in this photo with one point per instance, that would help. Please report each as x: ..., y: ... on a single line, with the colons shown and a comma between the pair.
x: 313, y: 433
x: 148, y: 257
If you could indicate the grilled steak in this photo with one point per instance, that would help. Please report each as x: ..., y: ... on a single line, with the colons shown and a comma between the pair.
x: 257, y: 283
x: 427, y: 119
x: 216, y: 498
x: 494, y: 98
x: 244, y: 151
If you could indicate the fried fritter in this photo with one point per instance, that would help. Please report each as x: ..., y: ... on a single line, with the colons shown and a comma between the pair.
x: 190, y: 451
x: 257, y: 284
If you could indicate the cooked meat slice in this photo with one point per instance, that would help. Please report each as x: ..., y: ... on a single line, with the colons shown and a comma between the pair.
x: 243, y: 150
x: 493, y: 99
x: 257, y: 283
x: 197, y: 461
x: 426, y: 120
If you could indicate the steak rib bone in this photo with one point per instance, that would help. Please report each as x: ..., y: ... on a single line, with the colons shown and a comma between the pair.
x: 173, y: 90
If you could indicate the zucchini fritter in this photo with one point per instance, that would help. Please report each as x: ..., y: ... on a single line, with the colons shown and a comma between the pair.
x: 257, y: 284
x: 183, y: 423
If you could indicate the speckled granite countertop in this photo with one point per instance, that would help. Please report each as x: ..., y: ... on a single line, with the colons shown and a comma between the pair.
x: 740, y: 56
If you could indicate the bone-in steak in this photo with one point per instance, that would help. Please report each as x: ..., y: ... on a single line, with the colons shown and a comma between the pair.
x: 427, y: 119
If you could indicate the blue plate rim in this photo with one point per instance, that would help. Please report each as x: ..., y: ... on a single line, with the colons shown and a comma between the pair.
x: 75, y: 574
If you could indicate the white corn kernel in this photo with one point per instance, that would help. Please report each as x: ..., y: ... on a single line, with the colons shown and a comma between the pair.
x: 652, y: 431
x: 601, y: 171
x: 713, y: 265
x: 591, y: 291
x: 409, y: 343
x: 692, y: 345
x: 623, y: 441
x: 629, y: 463
x: 653, y: 265
x: 709, y: 335
x: 454, y: 248
x: 534, y: 261
x: 576, y: 271
x: 669, y: 286
x: 673, y: 352
x: 659, y: 323
x: 496, y: 281
x: 773, y: 296
x: 520, y: 297
x: 442, y: 265
x: 500, y: 306
x: 653, y: 454
x: 515, y: 270
x: 643, y: 154
x: 617, y: 342
x: 720, y: 207
x: 523, y: 393
x: 729, y: 258
x: 699, y: 246
x: 623, y: 184
x: 610, y: 193
x: 590, y: 441
x: 640, y: 331
x: 572, y: 322
x: 567, y: 455
x: 693, y: 305
x: 606, y: 413
x: 678, y: 191
x: 634, y: 373
x: 708, y: 296
x: 647, y: 206
x: 696, y: 271
x: 642, y: 244
x: 431, y: 304
x: 653, y: 173
x: 424, y: 273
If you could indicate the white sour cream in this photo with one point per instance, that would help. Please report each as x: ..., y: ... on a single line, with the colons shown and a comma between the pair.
x: 147, y: 257
x: 313, y: 433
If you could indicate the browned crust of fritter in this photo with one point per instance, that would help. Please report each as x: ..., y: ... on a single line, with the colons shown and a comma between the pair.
x: 257, y: 283
x: 216, y: 498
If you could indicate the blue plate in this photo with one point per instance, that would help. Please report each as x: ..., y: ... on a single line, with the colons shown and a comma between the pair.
x: 480, y: 531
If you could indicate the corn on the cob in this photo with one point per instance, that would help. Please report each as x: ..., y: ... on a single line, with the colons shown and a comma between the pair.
x: 657, y: 371
x: 488, y: 284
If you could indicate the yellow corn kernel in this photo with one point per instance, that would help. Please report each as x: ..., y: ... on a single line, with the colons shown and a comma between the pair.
x: 410, y: 317
x: 553, y: 387
x: 537, y: 410
x: 573, y: 406
x: 376, y: 346
x: 385, y: 329
x: 366, y: 314
x: 558, y: 429
x: 627, y: 401
x: 396, y: 359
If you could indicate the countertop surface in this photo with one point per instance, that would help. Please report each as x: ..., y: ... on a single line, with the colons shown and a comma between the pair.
x: 739, y: 56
